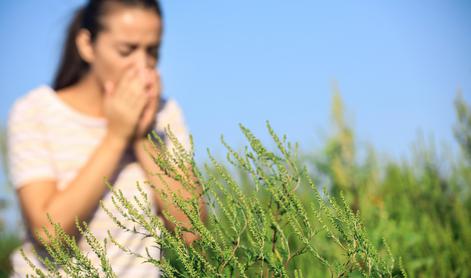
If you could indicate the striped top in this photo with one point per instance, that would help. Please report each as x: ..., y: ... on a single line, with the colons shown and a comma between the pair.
x: 46, y: 138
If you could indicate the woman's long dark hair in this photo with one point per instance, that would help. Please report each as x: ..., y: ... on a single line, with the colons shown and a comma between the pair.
x: 71, y: 67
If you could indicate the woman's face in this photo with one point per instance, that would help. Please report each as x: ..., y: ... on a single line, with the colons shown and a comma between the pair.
x: 130, y: 36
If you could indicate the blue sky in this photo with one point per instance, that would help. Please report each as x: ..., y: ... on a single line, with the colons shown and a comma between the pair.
x: 398, y: 65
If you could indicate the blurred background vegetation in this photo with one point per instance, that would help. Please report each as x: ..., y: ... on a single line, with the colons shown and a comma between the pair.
x: 420, y: 205
x: 9, y: 236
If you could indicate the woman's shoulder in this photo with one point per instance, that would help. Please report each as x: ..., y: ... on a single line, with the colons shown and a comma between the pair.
x: 169, y: 107
x: 33, y: 100
x: 170, y: 113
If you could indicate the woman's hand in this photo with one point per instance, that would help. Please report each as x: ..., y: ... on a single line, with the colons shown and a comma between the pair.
x: 148, y: 117
x: 189, y: 238
x: 124, y: 102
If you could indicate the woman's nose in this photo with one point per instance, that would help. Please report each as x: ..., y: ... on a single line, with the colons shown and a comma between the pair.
x: 142, y: 60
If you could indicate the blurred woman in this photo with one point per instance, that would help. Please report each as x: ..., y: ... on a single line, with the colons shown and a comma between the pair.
x: 92, y: 123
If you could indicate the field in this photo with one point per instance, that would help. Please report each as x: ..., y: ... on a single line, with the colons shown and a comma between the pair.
x: 342, y: 210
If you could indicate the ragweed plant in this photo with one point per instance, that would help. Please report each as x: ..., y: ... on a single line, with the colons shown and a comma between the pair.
x: 267, y: 218
x: 262, y: 227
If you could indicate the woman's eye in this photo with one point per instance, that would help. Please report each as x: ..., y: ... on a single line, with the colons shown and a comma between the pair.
x: 153, y: 52
x: 124, y: 53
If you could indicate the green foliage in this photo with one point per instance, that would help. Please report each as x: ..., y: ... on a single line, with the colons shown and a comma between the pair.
x: 287, y: 213
x: 262, y: 229
x: 421, y: 207
x: 8, y: 240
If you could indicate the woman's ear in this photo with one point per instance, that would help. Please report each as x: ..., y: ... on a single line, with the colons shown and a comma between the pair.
x: 84, y: 45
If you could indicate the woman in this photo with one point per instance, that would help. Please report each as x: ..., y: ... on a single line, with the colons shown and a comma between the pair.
x: 93, y: 124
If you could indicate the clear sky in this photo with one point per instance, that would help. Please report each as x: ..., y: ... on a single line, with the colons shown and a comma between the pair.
x: 398, y: 65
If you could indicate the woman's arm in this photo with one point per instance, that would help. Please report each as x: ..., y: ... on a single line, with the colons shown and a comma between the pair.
x: 80, y: 197
x: 149, y: 166
x: 123, y: 104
